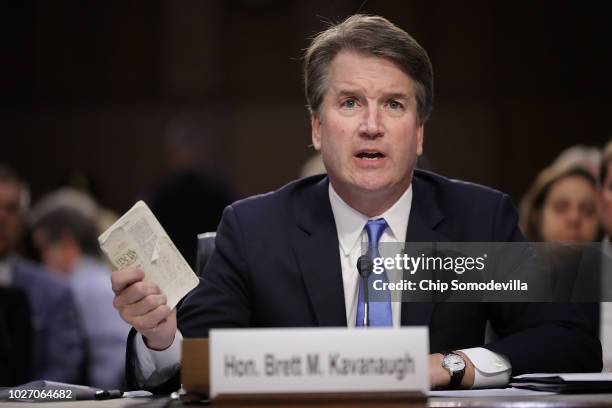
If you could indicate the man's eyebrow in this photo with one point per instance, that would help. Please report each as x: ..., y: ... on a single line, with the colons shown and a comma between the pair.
x: 398, y: 95
x: 348, y: 92
x: 390, y: 95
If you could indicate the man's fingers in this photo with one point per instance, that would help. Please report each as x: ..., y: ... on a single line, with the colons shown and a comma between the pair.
x: 144, y: 306
x: 123, y: 278
x: 135, y: 293
x: 151, y: 320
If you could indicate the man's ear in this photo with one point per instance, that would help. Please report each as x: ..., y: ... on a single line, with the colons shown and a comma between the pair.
x: 315, y: 125
x: 420, y: 136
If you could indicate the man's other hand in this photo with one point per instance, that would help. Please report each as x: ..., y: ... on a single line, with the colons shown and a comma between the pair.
x: 144, y: 306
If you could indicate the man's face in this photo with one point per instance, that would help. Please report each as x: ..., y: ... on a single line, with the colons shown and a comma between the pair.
x: 605, y: 203
x: 367, y: 130
x: 10, y: 217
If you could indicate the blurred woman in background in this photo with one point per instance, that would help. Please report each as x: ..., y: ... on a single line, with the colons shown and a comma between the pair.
x: 561, y: 206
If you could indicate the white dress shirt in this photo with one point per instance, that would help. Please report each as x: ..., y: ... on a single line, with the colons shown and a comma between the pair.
x: 491, y: 369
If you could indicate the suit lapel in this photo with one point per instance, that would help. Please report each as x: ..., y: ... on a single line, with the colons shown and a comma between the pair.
x: 425, y: 215
x: 316, y: 247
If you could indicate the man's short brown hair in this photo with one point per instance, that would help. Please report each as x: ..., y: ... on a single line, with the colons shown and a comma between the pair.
x: 374, y: 36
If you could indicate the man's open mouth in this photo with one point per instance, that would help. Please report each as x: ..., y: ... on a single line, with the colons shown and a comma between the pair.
x: 370, y: 155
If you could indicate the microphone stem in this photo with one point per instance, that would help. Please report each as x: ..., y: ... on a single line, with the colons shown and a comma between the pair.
x: 366, y: 303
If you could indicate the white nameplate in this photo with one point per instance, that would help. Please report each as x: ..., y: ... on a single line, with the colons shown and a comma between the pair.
x: 318, y: 360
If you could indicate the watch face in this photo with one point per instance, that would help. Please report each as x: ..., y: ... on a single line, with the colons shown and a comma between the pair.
x: 453, y: 362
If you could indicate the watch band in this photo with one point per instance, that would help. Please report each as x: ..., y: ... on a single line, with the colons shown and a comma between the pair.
x: 456, y: 376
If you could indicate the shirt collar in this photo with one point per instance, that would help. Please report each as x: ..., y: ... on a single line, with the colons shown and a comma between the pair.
x: 350, y: 222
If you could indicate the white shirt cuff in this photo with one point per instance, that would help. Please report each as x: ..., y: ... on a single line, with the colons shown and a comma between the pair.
x: 491, y: 370
x: 155, y: 367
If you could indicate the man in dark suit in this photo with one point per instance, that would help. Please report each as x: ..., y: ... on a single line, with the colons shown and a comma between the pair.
x: 287, y: 259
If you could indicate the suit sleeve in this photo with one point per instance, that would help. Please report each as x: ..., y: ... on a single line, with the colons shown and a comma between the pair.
x: 540, y: 337
x: 221, y: 300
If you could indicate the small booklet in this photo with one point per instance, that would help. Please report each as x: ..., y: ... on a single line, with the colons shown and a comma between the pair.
x: 138, y: 240
x: 565, y: 382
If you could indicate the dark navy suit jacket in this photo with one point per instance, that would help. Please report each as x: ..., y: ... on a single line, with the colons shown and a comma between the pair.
x: 277, y: 264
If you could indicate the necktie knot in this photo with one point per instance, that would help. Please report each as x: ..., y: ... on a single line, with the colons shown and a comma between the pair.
x: 375, y: 229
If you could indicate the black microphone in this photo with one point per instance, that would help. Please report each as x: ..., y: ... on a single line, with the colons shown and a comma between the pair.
x: 364, y: 267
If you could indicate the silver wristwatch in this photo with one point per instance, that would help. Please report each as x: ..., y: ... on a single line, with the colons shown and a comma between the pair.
x: 455, y: 365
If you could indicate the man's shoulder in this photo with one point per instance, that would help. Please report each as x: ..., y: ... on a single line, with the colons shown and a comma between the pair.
x: 280, y: 199
x: 445, y: 190
x: 471, y: 212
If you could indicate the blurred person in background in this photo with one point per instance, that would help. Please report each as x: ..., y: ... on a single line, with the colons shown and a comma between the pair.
x: 605, y: 213
x: 78, y: 188
x: 585, y: 157
x: 188, y: 202
x: 67, y: 243
x: 560, y: 206
x: 58, y: 346
x: 78, y: 200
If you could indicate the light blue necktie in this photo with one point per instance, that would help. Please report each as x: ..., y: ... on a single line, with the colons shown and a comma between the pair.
x: 380, y: 301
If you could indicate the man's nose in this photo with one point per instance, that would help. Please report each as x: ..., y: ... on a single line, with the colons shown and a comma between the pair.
x: 371, y: 125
